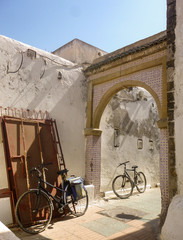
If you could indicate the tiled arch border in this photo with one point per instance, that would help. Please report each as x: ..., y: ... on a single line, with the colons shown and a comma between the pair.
x: 152, y: 77
x: 120, y: 84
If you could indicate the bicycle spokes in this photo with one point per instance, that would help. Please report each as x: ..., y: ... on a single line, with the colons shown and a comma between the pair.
x: 122, y: 186
x: 33, y: 211
x: 77, y: 206
x: 141, y: 182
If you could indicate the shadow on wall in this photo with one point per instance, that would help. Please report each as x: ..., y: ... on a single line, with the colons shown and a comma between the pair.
x: 134, y: 118
x: 64, y: 98
x: 50, y: 89
x: 129, y: 133
x: 70, y: 112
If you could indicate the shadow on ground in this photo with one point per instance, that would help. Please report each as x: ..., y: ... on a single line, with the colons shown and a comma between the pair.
x: 124, y: 214
x: 26, y: 236
x: 150, y: 231
x: 136, y: 218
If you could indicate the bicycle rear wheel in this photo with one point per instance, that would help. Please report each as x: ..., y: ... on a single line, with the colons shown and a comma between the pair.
x: 33, y: 211
x: 122, y: 186
x: 141, y: 182
x: 77, y: 206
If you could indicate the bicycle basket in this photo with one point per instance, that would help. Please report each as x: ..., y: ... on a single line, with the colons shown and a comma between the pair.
x: 77, y: 187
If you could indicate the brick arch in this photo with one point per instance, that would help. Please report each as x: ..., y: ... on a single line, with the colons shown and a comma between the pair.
x: 116, y: 88
x: 135, y: 65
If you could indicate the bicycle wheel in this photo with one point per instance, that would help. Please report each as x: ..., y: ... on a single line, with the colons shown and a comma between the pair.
x: 141, y: 182
x: 76, y: 206
x: 122, y: 186
x: 33, y: 211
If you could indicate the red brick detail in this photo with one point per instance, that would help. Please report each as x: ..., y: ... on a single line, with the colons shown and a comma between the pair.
x: 152, y: 77
x: 164, y: 176
x: 93, y: 161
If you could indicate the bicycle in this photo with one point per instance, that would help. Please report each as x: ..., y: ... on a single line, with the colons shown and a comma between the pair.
x: 123, y: 185
x: 34, y: 208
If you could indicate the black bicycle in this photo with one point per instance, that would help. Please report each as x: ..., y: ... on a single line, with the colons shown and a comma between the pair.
x: 123, y: 185
x: 34, y: 208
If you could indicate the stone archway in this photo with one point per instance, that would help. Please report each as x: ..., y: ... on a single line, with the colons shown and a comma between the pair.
x: 143, y: 65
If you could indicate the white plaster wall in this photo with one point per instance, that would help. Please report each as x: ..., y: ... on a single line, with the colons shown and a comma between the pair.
x: 5, y: 207
x: 172, y: 229
x: 3, y: 171
x: 32, y: 83
x: 79, y: 52
x: 135, y: 120
x: 5, y: 211
x: 179, y: 94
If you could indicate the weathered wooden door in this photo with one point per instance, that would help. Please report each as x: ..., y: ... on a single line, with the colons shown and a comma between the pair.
x: 28, y: 144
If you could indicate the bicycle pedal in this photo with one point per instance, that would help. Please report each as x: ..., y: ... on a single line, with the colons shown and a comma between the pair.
x: 61, y: 210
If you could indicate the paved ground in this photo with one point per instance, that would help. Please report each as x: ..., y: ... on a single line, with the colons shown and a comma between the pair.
x: 135, y: 218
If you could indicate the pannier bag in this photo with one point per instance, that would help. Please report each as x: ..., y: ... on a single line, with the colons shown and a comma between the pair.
x: 77, y: 187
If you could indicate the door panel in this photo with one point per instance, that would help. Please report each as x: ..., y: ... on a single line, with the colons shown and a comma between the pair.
x: 30, y: 143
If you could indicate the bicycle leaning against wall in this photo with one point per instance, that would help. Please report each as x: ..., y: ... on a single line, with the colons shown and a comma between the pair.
x: 34, y: 208
x: 123, y: 185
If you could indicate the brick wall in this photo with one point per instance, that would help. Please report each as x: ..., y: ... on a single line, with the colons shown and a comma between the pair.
x: 93, y: 161
x: 151, y: 77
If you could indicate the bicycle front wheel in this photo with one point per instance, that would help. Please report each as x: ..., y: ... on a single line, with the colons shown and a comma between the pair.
x: 141, y: 182
x: 77, y: 205
x: 33, y: 211
x: 122, y: 186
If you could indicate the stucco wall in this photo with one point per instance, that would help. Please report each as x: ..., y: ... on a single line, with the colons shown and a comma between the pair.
x: 79, y: 52
x: 179, y: 94
x: 5, y: 205
x: 134, y: 114
x: 172, y: 229
x: 29, y: 80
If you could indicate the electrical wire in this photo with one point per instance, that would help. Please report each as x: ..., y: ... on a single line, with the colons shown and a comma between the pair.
x: 18, y: 67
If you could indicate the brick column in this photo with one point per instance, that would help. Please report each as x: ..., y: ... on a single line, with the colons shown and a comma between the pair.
x: 164, y: 173
x: 93, y: 159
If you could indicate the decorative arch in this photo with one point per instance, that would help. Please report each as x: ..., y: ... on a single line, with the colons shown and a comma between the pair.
x: 116, y: 88
x: 142, y: 65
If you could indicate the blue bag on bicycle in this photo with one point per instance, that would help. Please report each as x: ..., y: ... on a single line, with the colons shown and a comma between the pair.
x: 77, y: 187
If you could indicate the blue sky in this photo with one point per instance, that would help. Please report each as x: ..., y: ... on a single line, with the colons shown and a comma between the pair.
x: 106, y: 24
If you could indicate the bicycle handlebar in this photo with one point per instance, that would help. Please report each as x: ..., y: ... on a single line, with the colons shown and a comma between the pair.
x: 36, y: 170
x: 124, y: 163
x: 42, y: 166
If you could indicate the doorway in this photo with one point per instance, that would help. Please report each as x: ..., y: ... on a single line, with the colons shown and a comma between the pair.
x: 130, y: 133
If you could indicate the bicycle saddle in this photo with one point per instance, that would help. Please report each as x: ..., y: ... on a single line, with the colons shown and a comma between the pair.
x: 61, y: 172
x: 135, y: 166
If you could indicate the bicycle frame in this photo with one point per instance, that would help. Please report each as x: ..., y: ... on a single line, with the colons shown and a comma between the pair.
x: 130, y: 170
x: 34, y: 208
x: 40, y: 187
x: 124, y: 184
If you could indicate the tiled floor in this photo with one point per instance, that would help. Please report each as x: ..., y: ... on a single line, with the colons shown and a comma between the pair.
x: 135, y: 218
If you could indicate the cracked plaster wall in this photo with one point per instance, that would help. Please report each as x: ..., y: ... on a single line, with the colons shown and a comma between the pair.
x: 29, y: 80
x: 178, y: 78
x: 134, y: 113
x: 172, y: 229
